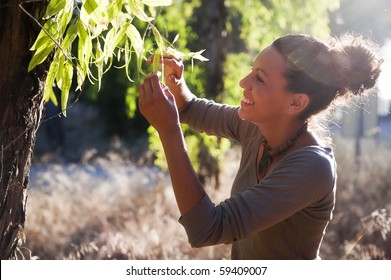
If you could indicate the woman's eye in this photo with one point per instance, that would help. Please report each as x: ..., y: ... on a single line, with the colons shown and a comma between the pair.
x: 259, y: 79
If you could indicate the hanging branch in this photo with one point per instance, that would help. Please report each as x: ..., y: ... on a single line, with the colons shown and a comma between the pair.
x: 18, y: 2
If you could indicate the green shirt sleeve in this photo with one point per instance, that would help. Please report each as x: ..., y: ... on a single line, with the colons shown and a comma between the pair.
x: 216, y: 119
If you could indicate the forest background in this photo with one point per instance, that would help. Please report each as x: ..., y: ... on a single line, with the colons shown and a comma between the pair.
x: 99, y: 188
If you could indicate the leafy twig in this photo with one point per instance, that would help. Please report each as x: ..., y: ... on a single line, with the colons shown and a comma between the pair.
x: 44, y: 30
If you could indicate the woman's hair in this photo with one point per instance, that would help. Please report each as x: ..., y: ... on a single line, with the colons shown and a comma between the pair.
x: 326, y: 72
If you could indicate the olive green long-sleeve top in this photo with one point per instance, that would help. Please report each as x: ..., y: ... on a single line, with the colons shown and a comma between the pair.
x: 283, y: 216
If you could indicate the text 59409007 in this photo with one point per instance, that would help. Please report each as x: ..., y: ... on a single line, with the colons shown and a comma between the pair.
x: 243, y: 270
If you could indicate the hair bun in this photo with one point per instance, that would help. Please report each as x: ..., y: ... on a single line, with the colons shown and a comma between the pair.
x: 358, y: 63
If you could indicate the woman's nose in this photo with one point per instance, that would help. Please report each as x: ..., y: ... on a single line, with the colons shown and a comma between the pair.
x: 244, y: 84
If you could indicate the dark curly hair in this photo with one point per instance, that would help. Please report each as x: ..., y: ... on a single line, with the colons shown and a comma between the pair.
x: 344, y: 66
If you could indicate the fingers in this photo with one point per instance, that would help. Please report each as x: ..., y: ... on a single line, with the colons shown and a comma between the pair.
x: 166, y: 57
x: 150, y: 85
x: 172, y: 64
x: 152, y: 88
x: 156, y: 103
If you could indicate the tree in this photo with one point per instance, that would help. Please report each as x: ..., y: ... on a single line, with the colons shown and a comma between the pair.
x: 21, y: 105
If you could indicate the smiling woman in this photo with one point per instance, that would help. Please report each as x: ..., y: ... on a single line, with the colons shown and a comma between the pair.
x: 283, y: 195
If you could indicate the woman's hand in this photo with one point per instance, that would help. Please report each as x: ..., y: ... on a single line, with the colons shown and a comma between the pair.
x: 157, y: 104
x: 173, y: 69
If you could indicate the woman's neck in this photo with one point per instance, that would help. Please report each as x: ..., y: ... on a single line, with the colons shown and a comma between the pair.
x: 277, y: 135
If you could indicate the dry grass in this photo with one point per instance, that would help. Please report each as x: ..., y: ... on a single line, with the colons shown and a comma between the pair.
x: 361, y: 227
x: 106, y: 210
x: 112, y: 209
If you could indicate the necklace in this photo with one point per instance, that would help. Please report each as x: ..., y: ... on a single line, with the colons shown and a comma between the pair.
x: 268, y: 153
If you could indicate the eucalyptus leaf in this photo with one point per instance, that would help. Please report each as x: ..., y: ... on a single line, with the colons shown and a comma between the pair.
x: 90, y: 6
x: 40, y: 55
x: 50, y: 27
x: 135, y: 37
x: 66, y: 76
x: 48, y: 93
x: 137, y: 9
x: 54, y: 7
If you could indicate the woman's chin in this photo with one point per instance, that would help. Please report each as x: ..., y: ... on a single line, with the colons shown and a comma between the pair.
x: 242, y: 113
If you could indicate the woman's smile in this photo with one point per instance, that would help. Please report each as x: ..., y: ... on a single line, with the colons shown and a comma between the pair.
x: 246, y: 101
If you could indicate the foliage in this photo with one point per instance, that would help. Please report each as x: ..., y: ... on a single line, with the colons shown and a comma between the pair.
x: 102, y: 30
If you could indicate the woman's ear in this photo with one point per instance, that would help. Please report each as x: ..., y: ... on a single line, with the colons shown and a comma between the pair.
x: 298, y: 103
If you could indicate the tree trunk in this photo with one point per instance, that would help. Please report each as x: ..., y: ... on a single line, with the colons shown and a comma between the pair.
x: 211, y: 19
x: 21, y: 106
x: 210, y: 25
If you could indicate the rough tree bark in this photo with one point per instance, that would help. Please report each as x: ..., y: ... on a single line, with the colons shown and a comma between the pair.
x: 21, y: 106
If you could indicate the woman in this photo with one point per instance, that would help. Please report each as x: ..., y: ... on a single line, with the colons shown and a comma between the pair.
x: 284, y: 193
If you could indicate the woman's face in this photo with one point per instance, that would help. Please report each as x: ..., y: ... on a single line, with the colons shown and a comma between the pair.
x: 265, y: 96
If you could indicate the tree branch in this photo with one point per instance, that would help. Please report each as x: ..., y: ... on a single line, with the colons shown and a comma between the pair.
x: 10, y: 3
x: 65, y: 54
x: 44, y: 30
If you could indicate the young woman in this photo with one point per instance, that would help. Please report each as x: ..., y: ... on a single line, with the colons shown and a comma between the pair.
x: 284, y: 192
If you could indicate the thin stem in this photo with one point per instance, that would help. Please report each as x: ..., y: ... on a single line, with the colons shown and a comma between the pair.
x: 44, y: 30
x: 18, y: 2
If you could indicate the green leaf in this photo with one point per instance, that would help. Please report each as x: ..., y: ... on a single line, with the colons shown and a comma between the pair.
x: 190, y: 55
x: 54, y: 7
x: 66, y: 77
x: 63, y: 19
x: 90, y: 6
x: 135, y: 38
x: 40, y: 55
x: 48, y: 88
x: 84, y: 53
x: 128, y: 58
x: 156, y: 60
x: 43, y: 38
x: 99, y: 63
x: 156, y: 3
x: 114, y: 9
x: 175, y: 39
x: 118, y: 38
x: 158, y: 38
x: 138, y: 11
x: 95, y: 10
x: 109, y: 40
x: 61, y: 61
x: 69, y: 37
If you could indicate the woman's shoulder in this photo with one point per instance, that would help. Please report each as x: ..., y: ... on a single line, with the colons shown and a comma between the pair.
x: 311, y: 169
x: 311, y: 159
